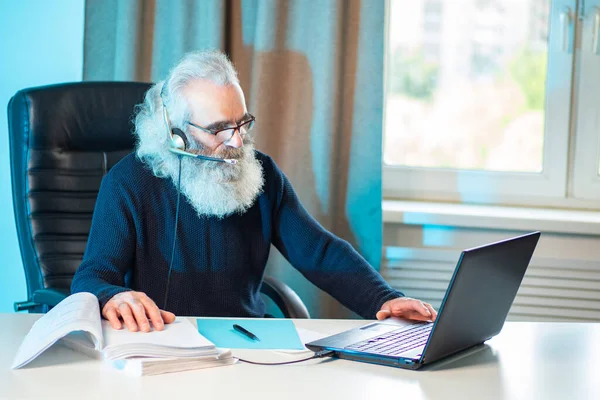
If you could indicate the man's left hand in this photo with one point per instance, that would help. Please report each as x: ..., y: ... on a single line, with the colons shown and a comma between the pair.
x: 405, y: 307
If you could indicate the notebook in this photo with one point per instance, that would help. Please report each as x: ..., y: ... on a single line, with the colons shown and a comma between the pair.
x: 273, y: 333
x: 76, y: 320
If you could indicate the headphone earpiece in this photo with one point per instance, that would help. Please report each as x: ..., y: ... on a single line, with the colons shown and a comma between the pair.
x: 178, y: 143
x: 179, y: 140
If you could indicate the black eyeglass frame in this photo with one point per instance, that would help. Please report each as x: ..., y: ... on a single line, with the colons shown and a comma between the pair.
x: 237, y: 127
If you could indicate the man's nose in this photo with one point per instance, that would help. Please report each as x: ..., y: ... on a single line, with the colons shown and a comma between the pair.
x: 235, y: 141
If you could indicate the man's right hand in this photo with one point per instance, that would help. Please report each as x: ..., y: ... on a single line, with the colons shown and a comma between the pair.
x: 137, y: 311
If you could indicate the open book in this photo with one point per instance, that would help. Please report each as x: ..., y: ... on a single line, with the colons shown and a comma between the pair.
x: 77, y: 321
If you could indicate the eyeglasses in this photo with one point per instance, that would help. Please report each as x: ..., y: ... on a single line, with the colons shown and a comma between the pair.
x: 223, y: 135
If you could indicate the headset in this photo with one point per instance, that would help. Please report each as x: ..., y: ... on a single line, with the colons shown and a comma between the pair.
x: 178, y: 144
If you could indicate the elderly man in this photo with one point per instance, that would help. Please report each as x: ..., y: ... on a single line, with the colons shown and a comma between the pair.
x: 209, y: 251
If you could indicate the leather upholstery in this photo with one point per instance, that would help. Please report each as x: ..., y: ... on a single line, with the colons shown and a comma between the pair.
x: 63, y: 139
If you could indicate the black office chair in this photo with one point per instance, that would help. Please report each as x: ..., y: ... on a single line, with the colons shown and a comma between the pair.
x: 63, y: 140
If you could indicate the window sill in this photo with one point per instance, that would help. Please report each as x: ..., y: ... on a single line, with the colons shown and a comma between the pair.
x: 491, y: 217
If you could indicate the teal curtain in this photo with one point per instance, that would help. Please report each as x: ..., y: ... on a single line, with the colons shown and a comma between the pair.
x: 312, y: 72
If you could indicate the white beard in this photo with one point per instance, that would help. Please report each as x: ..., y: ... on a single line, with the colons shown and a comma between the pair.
x: 221, y: 189
x: 212, y: 188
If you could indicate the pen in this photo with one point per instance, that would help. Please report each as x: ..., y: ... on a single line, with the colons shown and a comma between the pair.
x: 245, y: 332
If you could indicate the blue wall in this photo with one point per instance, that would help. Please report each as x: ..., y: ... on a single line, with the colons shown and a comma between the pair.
x: 41, y: 42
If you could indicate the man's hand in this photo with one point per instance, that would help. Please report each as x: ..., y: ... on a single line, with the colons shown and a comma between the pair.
x: 405, y: 307
x: 135, y: 308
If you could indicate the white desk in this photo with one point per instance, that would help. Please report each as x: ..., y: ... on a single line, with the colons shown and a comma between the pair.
x: 526, y: 361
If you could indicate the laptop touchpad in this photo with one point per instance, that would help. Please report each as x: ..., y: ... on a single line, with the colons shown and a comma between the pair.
x: 377, y: 327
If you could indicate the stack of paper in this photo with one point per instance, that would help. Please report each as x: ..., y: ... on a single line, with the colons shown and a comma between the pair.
x: 77, y: 324
x: 140, y: 366
x: 178, y: 347
x: 178, y: 339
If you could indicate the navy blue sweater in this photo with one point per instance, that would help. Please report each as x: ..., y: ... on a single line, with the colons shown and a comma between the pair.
x: 219, y: 263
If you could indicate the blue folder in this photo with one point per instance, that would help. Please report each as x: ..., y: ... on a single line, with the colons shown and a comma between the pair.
x: 274, y: 334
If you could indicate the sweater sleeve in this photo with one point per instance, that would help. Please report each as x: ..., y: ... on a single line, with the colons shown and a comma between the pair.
x: 111, y: 244
x: 324, y: 259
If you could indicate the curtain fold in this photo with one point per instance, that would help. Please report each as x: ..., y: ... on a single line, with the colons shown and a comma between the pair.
x: 313, y: 77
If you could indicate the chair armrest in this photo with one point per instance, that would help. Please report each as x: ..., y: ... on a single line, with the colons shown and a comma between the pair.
x: 286, y: 299
x: 26, y: 306
x: 50, y: 297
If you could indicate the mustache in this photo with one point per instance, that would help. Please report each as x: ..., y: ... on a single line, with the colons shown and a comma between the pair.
x: 227, y: 152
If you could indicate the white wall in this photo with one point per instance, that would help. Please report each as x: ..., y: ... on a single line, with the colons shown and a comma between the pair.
x: 41, y: 42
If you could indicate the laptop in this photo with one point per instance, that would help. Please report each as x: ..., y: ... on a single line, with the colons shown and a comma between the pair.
x: 477, y: 301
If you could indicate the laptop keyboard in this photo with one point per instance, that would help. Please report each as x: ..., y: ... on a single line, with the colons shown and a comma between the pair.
x: 395, y: 342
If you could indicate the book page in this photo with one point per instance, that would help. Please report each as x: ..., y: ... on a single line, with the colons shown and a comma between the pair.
x: 81, y: 342
x: 178, y: 334
x: 78, y: 312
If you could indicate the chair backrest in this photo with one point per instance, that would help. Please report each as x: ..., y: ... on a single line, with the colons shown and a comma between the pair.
x: 63, y: 140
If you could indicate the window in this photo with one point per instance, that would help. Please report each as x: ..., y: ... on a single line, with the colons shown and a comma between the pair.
x: 493, y: 101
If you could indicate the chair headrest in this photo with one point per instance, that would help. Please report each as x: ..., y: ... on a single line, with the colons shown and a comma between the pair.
x: 82, y: 116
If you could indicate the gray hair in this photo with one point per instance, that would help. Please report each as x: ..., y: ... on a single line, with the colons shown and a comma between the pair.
x: 152, y: 139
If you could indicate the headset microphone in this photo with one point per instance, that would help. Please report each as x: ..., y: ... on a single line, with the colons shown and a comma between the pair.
x: 178, y: 132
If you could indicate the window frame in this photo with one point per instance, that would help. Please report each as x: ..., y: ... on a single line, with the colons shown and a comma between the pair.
x: 562, y: 183
x: 586, y: 163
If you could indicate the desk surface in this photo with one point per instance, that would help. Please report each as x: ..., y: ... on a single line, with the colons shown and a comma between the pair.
x: 525, y: 361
